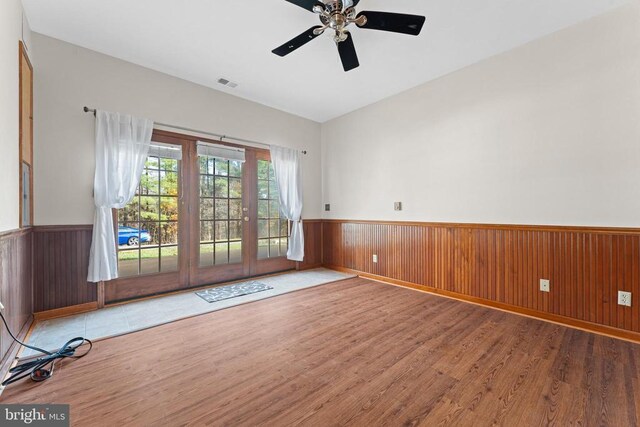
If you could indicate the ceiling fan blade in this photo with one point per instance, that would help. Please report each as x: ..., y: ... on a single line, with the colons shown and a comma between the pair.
x: 348, y: 53
x: 297, y: 42
x: 307, y: 4
x: 394, y: 22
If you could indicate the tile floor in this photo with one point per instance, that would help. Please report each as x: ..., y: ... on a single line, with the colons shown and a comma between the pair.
x: 130, y: 317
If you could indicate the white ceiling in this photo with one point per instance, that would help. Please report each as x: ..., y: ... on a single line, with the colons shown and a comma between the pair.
x: 202, y: 40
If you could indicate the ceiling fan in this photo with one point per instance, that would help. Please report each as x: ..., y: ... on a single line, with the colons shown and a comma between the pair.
x: 337, y: 15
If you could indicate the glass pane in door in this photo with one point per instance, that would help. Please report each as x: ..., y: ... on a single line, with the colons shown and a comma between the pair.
x: 273, y: 229
x: 148, y: 225
x: 220, y: 211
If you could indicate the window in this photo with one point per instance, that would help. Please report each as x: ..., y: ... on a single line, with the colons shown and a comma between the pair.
x: 273, y: 229
x: 220, y: 211
x: 148, y: 225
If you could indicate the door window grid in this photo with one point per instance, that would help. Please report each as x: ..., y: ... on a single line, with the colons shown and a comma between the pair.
x: 273, y: 229
x: 220, y: 211
x: 148, y: 225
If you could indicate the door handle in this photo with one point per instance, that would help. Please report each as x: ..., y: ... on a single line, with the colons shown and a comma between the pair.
x: 246, y: 219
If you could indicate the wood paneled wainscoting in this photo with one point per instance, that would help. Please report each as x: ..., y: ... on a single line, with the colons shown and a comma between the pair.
x: 501, y: 266
x: 16, y: 291
x: 312, y: 244
x: 60, y: 266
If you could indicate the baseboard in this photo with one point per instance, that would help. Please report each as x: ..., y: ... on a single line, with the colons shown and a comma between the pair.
x: 489, y: 226
x: 66, y: 311
x: 548, y: 317
x: 309, y: 267
x: 10, y: 358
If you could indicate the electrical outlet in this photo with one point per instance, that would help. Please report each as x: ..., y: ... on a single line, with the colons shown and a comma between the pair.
x: 624, y: 298
x: 545, y: 285
x: 375, y: 258
x: 397, y: 206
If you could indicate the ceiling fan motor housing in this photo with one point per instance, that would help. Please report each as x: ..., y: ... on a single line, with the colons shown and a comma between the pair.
x: 334, y: 6
x: 336, y: 17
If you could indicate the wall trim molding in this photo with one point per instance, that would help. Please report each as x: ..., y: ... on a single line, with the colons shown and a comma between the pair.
x: 15, y: 233
x: 57, y: 228
x: 65, y: 311
x: 301, y: 267
x: 483, y: 226
x: 535, y: 314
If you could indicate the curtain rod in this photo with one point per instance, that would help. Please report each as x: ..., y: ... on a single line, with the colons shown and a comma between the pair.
x: 215, y: 135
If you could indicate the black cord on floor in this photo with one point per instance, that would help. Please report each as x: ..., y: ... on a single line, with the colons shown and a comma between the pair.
x: 37, y: 369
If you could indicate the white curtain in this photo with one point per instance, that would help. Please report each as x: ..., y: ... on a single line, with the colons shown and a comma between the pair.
x: 286, y: 165
x: 122, y: 146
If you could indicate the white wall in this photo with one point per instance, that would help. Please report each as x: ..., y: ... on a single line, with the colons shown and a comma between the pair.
x: 548, y: 133
x: 68, y: 77
x: 11, y: 26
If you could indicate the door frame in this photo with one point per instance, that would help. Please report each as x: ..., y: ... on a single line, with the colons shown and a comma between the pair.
x: 25, y: 146
x: 190, y: 275
x: 156, y: 283
x: 200, y: 276
x: 251, y: 266
x: 268, y: 265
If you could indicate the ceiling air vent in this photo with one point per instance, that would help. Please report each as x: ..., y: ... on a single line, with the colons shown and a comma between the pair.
x: 227, y: 83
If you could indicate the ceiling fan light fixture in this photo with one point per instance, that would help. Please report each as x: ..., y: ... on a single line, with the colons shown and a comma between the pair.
x: 337, y: 15
x: 340, y: 36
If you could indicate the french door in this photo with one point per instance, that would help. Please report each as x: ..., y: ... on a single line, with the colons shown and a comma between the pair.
x: 205, y: 212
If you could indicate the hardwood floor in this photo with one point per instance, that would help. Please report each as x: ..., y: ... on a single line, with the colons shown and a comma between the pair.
x: 356, y: 353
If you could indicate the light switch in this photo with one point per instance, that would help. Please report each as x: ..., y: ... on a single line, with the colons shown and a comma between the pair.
x: 397, y: 206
